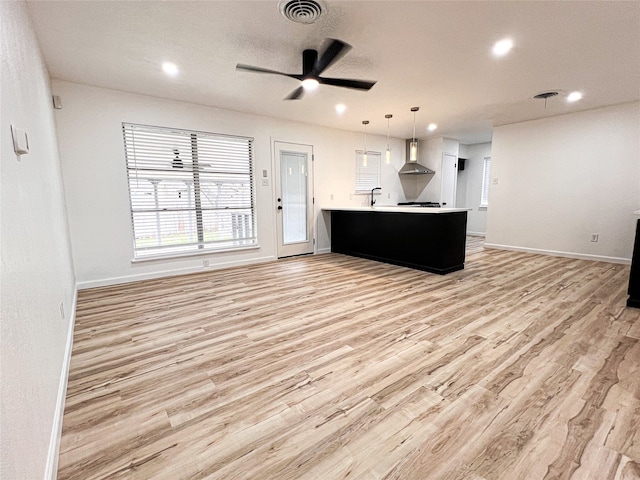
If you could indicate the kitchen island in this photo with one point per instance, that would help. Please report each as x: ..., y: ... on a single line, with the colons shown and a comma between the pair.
x: 429, y: 239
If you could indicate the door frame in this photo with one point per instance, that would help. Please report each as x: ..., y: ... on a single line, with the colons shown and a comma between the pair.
x: 305, y: 248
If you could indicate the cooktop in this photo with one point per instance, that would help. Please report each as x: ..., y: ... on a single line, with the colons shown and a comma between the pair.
x: 419, y: 204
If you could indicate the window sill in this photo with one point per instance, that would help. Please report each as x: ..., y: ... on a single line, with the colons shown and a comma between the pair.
x: 174, y: 256
x: 483, y: 207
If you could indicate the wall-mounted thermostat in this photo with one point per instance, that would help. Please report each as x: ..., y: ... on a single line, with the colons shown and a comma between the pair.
x: 20, y: 140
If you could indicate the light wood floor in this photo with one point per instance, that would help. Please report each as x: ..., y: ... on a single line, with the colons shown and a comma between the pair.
x: 330, y: 367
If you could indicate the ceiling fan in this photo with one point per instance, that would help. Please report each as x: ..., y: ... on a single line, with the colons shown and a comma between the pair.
x: 313, y: 66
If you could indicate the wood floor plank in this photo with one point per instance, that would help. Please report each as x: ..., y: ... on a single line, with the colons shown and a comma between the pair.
x: 330, y: 367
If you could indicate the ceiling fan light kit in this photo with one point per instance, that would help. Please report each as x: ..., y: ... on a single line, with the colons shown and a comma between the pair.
x: 310, y: 84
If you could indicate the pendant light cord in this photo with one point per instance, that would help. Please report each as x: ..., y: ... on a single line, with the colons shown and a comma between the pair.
x: 364, y: 155
x: 388, y: 120
x: 365, y: 122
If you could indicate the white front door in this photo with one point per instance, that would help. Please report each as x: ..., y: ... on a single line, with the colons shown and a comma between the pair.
x: 449, y: 180
x: 294, y: 198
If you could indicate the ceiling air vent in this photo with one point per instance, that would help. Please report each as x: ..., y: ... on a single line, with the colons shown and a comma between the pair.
x: 302, y: 11
x: 545, y: 95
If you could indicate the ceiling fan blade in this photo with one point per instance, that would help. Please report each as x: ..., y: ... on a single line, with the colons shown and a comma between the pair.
x: 296, y: 94
x: 345, y: 82
x: 249, y: 68
x: 334, y: 51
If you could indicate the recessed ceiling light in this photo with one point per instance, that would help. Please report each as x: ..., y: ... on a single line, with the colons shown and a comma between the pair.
x: 502, y: 47
x: 432, y: 127
x: 310, y: 84
x: 170, y: 69
x: 340, y: 108
x: 574, y: 97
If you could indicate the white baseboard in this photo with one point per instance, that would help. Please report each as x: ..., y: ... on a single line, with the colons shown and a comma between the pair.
x: 555, y: 253
x: 51, y: 470
x: 477, y: 234
x: 323, y: 250
x: 169, y: 273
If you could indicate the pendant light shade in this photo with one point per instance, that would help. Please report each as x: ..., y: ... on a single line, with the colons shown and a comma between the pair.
x: 413, y: 152
x: 413, y: 147
x: 364, y: 155
x: 388, y: 152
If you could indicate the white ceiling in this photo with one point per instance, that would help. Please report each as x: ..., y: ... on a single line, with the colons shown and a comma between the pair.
x: 436, y: 55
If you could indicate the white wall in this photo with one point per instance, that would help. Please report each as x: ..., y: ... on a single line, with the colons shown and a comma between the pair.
x: 37, y: 272
x: 461, y: 190
x: 428, y: 188
x: 469, y: 191
x: 92, y: 154
x: 562, y: 178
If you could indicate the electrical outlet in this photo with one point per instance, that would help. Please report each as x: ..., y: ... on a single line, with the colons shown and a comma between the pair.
x: 495, y: 180
x: 265, y: 182
x: 594, y: 237
x: 205, y: 263
x: 62, y: 310
x: 331, y: 196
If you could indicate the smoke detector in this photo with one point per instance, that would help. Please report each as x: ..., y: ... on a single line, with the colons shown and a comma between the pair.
x: 302, y: 11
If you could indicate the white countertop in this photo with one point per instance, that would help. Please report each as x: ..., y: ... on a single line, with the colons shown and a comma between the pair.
x: 394, y: 208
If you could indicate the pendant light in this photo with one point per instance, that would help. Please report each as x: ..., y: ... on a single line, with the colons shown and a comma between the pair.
x: 388, y: 153
x: 364, y: 156
x: 413, y: 147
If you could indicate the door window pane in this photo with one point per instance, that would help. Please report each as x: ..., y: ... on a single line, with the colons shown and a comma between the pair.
x: 293, y: 181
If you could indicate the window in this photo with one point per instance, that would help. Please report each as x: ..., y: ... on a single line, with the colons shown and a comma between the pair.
x: 367, y: 176
x: 189, y: 191
x: 486, y: 179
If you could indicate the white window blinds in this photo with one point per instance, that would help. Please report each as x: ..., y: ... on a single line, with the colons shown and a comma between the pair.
x: 486, y: 179
x: 367, y: 176
x: 189, y: 191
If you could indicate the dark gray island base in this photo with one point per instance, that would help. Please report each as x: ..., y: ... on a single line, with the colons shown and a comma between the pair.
x: 433, y: 242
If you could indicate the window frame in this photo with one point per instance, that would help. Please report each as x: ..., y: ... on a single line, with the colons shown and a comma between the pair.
x: 197, y: 177
x: 486, y: 181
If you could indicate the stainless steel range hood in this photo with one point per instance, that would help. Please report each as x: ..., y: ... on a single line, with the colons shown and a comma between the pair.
x: 413, y: 168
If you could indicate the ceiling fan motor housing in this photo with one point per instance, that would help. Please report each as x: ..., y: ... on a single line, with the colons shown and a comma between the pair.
x: 309, y: 59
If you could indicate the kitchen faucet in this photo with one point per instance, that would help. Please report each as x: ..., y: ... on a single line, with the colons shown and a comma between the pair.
x: 373, y: 202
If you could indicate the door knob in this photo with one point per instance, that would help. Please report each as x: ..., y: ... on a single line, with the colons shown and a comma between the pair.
x: 279, y: 199
x: 279, y: 207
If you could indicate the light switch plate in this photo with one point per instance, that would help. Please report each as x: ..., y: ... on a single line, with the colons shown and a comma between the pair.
x: 20, y: 140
